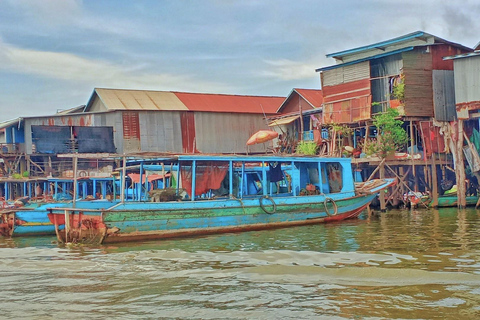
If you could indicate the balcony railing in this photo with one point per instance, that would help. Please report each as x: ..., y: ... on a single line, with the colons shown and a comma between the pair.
x: 11, y: 148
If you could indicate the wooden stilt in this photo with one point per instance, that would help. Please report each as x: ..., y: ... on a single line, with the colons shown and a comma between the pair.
x: 460, y: 169
x: 383, y: 206
x: 434, y: 183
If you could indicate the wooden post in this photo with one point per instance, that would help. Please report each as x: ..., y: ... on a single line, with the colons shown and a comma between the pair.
x: 412, y: 144
x: 382, y: 193
x: 67, y: 225
x: 301, y: 117
x: 124, y: 172
x: 460, y: 169
x: 434, y: 182
x: 401, y: 173
x: 75, y: 165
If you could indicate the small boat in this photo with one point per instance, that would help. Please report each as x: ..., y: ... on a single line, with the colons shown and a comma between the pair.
x: 223, y: 193
x: 452, y: 201
x: 30, y: 217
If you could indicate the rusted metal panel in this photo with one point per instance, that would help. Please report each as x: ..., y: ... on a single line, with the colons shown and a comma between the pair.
x: 294, y: 104
x: 347, y: 102
x: 188, y: 132
x: 227, y: 133
x: 346, y: 91
x: 444, y: 95
x: 417, y: 69
x: 131, y: 132
x: 433, y: 141
x: 230, y: 103
x: 441, y: 51
x: 347, y: 111
x: 312, y: 96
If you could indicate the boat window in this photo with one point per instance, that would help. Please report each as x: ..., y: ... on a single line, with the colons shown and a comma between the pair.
x: 209, y: 175
x: 334, y: 175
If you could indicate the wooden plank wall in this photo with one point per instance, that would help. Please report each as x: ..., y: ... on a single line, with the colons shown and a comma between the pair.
x: 417, y: 68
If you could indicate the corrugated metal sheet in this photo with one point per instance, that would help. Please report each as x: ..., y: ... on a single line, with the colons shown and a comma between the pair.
x: 444, y: 95
x: 417, y: 38
x: 439, y: 52
x: 381, y: 72
x: 467, y: 80
x: 229, y: 134
x: 115, y: 99
x: 230, y: 103
x: 313, y: 96
x: 188, y: 132
x: 417, y: 68
x: 285, y: 120
x: 160, y: 131
x: 345, y: 74
x: 346, y: 91
x: 347, y: 111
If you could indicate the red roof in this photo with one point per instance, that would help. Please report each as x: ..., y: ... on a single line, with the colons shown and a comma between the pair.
x: 313, y: 96
x: 230, y: 103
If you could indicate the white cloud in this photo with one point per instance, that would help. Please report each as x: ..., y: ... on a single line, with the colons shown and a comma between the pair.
x: 284, y: 69
x: 98, y: 73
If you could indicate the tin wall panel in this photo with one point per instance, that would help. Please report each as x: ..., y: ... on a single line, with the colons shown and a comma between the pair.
x: 381, y: 71
x: 444, y: 95
x: 160, y: 131
x: 467, y: 79
x: 227, y: 133
x: 345, y: 74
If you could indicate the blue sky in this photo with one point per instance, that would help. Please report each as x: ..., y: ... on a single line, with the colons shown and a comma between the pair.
x: 53, y: 53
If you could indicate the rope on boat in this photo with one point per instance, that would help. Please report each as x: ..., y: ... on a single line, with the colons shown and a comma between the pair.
x: 262, y: 205
x: 334, y: 204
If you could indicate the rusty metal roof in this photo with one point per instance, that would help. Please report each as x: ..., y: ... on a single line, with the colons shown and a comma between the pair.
x: 120, y: 99
x: 312, y: 96
x: 230, y: 103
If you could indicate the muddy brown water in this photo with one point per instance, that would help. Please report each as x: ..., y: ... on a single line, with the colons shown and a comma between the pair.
x: 422, y: 264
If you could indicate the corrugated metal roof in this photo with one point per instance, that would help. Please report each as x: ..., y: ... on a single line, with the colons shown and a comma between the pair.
x: 230, y: 103
x: 313, y: 96
x: 9, y: 123
x: 405, y: 39
x: 364, y: 59
x: 116, y: 99
x: 285, y: 120
x: 119, y: 99
x: 464, y: 55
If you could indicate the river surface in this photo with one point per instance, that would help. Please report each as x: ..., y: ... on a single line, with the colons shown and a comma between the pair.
x: 421, y: 264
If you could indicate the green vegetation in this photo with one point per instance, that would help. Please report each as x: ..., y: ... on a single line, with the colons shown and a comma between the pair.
x: 390, y: 136
x: 399, y: 91
x: 308, y: 148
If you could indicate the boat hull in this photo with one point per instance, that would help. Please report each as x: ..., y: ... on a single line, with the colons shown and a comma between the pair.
x: 137, y: 221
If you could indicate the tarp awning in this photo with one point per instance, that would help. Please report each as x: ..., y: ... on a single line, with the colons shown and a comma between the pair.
x: 285, y: 120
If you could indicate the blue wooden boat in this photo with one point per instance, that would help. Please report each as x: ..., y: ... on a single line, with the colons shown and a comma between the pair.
x: 223, y: 193
x: 30, y: 218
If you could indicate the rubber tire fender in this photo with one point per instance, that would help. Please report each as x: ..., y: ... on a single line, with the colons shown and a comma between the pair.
x: 262, y: 205
x: 334, y: 204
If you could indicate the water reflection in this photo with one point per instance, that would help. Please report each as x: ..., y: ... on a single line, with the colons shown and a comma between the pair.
x: 400, y: 264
